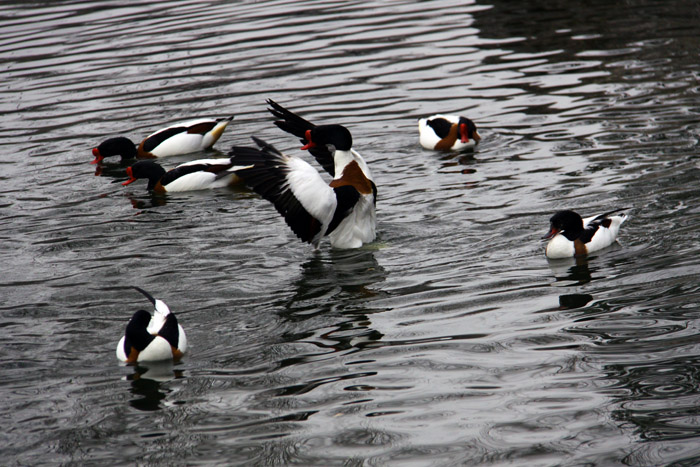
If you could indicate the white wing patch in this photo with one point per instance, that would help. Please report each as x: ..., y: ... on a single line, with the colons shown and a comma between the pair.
x: 158, y: 318
x: 192, y: 181
x: 605, y: 237
x: 181, y: 143
x: 311, y: 191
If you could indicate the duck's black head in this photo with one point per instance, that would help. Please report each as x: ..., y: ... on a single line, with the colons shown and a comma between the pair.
x: 567, y: 222
x: 145, y: 169
x: 119, y: 146
x: 467, y: 130
x: 323, y: 135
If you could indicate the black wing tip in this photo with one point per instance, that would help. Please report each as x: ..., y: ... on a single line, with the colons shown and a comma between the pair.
x: 146, y: 294
x: 259, y: 141
x: 266, y: 147
x: 280, y: 112
x: 275, y: 109
x: 262, y: 144
x: 615, y: 211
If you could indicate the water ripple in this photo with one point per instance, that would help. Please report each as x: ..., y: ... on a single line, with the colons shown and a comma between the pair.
x: 449, y: 340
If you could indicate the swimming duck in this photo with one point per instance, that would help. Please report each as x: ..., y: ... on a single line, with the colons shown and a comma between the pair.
x: 194, y: 175
x: 344, y: 210
x: 447, y: 133
x: 150, y: 339
x: 183, y: 138
x: 570, y: 235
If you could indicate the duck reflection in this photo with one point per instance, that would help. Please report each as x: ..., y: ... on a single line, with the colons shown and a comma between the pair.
x: 333, y: 278
x: 114, y: 171
x: 574, y: 300
x: 148, y: 201
x: 455, y: 159
x: 331, y: 299
x: 146, y: 381
x: 574, y: 270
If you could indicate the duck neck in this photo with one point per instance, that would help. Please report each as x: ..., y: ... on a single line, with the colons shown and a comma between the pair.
x: 154, y: 175
x: 341, y: 159
x: 129, y: 152
x: 572, y: 234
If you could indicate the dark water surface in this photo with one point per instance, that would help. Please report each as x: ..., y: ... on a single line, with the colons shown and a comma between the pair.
x: 451, y: 339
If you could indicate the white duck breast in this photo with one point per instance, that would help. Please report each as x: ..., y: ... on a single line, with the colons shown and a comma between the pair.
x: 358, y: 227
x: 560, y: 247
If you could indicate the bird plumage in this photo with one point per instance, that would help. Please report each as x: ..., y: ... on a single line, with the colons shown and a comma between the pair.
x: 343, y: 210
x: 447, y: 133
x: 175, y: 140
x: 571, y: 235
x: 199, y: 174
x: 152, y: 338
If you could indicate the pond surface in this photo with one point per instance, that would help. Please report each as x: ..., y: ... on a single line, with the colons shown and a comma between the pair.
x: 451, y: 339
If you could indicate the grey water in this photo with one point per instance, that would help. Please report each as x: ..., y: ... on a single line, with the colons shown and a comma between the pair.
x: 451, y: 339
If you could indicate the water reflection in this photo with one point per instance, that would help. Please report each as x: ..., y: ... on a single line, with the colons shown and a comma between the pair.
x: 573, y: 301
x: 334, y: 278
x: 466, y: 157
x: 147, y: 384
x: 115, y: 171
x: 571, y: 271
x: 333, y: 289
x: 153, y: 200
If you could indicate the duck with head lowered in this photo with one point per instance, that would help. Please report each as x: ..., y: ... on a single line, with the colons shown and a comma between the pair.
x: 152, y: 338
x: 175, y: 140
x: 447, y: 133
x: 200, y: 174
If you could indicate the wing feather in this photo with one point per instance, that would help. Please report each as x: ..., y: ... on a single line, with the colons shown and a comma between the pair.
x: 294, y: 187
x: 296, y: 125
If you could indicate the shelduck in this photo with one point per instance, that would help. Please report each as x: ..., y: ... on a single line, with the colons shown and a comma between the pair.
x: 343, y: 210
x: 447, y: 133
x: 194, y: 175
x: 183, y: 138
x: 570, y: 235
x: 152, y: 338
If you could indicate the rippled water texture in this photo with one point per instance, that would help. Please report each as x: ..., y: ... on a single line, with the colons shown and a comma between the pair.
x: 451, y: 339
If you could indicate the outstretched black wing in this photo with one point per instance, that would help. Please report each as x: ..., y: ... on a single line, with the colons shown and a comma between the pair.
x: 294, y: 124
x: 268, y: 177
